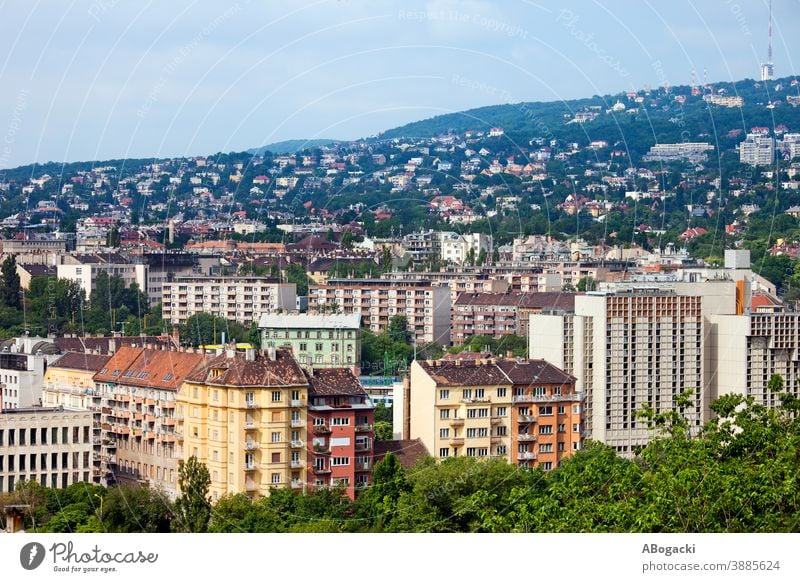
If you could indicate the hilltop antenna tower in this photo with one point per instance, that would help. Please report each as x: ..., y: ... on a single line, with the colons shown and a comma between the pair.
x: 768, y: 69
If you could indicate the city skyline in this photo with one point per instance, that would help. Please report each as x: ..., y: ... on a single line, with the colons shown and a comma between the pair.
x: 111, y: 81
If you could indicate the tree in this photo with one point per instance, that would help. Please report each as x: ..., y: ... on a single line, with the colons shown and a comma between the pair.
x: 203, y: 329
x: 112, y: 238
x: 193, y: 507
x: 398, y: 329
x: 585, y: 284
x: 482, y: 257
x: 10, y: 290
x: 347, y: 239
x: 383, y: 431
x: 377, y: 505
x: 295, y: 273
x: 133, y: 508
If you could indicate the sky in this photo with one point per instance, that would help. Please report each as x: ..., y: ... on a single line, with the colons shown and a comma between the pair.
x: 108, y: 79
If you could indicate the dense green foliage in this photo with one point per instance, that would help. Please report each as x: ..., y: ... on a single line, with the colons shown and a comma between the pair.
x: 203, y: 329
x: 193, y: 507
x: 515, y: 344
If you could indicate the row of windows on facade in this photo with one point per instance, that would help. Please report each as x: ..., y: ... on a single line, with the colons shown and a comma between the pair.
x: 147, y: 470
x: 500, y: 411
x: 305, y: 334
x: 469, y: 393
x: 44, y: 436
x: 7, y: 486
x: 501, y: 431
x: 39, y: 461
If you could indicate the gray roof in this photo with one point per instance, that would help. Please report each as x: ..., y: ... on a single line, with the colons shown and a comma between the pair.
x: 309, y: 321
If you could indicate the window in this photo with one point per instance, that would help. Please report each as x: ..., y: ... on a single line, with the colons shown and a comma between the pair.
x: 501, y: 431
x: 546, y: 448
x: 276, y: 457
x: 276, y: 478
x: 483, y: 432
x: 276, y: 395
x: 444, y: 414
x: 471, y: 433
x: 501, y: 449
x: 501, y: 411
x: 479, y: 393
x: 444, y: 433
x: 539, y: 391
x: 576, y: 427
x: 560, y: 447
x: 340, y: 461
x: 444, y: 394
x: 483, y: 413
x: 466, y: 394
x: 562, y: 428
x: 276, y: 437
x: 471, y: 451
x: 501, y: 392
x: 546, y: 410
x: 546, y: 466
x: 472, y: 413
x: 546, y: 429
x: 576, y: 409
x: 562, y: 410
x: 303, y: 346
x: 318, y: 347
x: 444, y: 452
x: 340, y: 421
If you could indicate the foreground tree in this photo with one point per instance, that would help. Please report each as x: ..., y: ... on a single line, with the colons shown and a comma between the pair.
x: 193, y: 507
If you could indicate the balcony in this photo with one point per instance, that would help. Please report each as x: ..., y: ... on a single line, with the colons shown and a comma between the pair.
x: 456, y: 441
x: 250, y: 467
x: 322, y: 450
x: 297, y: 484
x: 251, y: 445
x: 363, y: 446
x: 553, y: 398
x: 298, y: 423
x: 321, y: 470
x: 296, y: 403
x: 524, y: 437
x: 250, y: 404
x: 526, y: 418
x: 363, y: 466
x: 249, y: 425
x: 456, y: 421
x: 474, y: 400
x: 251, y: 486
x: 496, y: 419
x: 298, y: 464
x: 322, y: 429
x: 526, y: 456
x: 297, y: 444
x: 363, y: 428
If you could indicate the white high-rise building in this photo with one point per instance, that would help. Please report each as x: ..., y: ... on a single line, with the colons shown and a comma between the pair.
x: 757, y: 150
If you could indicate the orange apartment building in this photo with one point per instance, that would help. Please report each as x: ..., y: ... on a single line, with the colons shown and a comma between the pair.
x: 525, y: 411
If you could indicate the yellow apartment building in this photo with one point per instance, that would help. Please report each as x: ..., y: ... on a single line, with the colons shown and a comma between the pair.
x: 244, y: 416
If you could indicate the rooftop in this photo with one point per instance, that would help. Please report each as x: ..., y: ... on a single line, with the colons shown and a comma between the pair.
x: 295, y: 321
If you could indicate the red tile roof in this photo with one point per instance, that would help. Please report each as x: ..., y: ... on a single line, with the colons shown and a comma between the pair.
x: 148, y: 368
x: 236, y: 370
x: 408, y: 452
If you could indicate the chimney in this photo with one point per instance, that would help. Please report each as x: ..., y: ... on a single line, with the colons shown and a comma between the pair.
x: 250, y: 354
x: 176, y: 335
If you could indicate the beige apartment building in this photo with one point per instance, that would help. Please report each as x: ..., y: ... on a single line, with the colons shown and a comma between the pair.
x: 426, y: 306
x: 138, y: 387
x: 241, y: 299
x: 244, y: 416
x: 50, y: 445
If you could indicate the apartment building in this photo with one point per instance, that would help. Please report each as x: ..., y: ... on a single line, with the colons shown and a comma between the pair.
x: 466, y: 280
x: 757, y: 150
x: 499, y: 314
x: 166, y: 267
x: 138, y: 389
x: 525, y: 411
x: 241, y: 299
x: 50, y: 445
x: 69, y: 382
x: 670, y: 152
x: 340, y: 424
x: 84, y: 268
x: 315, y: 340
x: 746, y: 350
x: 23, y: 362
x: 245, y: 417
x: 629, y: 347
x: 426, y: 306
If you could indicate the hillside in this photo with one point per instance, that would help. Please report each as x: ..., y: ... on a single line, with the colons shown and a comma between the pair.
x: 290, y: 146
x: 659, y: 117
